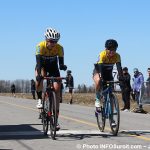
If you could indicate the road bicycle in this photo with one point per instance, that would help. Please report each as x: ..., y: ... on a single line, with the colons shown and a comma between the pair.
x: 109, y: 108
x: 49, y: 110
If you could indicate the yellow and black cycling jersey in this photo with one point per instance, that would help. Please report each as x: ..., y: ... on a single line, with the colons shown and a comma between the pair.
x: 49, y: 58
x: 106, y: 64
x: 105, y: 59
x: 42, y: 50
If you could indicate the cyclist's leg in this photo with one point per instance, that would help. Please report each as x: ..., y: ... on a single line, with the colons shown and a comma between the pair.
x: 57, y: 90
x: 57, y: 87
x: 96, y: 79
x: 39, y: 88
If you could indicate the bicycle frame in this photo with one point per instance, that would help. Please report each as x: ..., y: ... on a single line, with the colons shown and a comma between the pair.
x: 107, y: 108
x: 51, y: 114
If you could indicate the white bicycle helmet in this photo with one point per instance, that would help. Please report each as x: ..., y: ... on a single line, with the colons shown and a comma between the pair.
x: 52, y: 34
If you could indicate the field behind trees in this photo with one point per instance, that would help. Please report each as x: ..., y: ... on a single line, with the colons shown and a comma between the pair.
x: 83, y: 95
x: 24, y: 86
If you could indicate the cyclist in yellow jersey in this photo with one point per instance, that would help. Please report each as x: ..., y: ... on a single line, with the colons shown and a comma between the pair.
x: 48, y: 54
x: 104, y: 67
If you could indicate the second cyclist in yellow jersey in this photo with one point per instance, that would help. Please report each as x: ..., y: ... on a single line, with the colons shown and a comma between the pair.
x: 104, y: 66
x: 105, y: 59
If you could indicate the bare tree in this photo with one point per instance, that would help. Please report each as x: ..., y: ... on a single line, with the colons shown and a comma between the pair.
x: 22, y: 86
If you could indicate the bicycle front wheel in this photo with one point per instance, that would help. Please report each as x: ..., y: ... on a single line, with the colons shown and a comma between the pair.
x: 45, y: 118
x: 114, y: 116
x: 100, y: 117
x: 53, y: 118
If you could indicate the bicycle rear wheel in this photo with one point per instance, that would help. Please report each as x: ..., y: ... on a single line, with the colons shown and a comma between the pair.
x: 45, y: 118
x: 53, y: 118
x: 114, y: 116
x: 100, y: 117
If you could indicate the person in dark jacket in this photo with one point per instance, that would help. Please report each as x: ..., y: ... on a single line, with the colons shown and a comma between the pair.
x: 126, y: 89
x: 13, y: 89
x: 33, y: 88
x: 70, y: 84
x: 148, y: 84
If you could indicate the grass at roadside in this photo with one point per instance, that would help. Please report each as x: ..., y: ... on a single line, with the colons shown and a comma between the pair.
x: 86, y: 99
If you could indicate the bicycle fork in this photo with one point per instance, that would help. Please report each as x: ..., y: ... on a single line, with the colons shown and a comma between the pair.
x: 108, y: 108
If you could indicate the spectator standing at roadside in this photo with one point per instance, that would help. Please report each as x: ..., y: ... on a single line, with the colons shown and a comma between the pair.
x: 33, y: 88
x: 126, y: 89
x: 70, y: 84
x: 13, y: 89
x: 148, y: 84
x: 138, y: 88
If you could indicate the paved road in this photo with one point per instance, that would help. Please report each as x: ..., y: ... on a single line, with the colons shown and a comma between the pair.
x: 20, y: 129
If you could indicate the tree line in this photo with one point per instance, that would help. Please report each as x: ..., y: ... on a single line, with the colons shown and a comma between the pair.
x: 24, y: 86
x: 82, y: 88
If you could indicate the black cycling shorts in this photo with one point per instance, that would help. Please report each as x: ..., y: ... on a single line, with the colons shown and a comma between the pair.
x: 51, y: 71
x: 106, y: 76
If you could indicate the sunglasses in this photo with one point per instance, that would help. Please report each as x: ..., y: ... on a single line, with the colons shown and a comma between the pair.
x: 113, y: 50
x: 52, y: 41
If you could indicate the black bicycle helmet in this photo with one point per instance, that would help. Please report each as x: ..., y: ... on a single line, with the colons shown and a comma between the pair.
x: 111, y: 44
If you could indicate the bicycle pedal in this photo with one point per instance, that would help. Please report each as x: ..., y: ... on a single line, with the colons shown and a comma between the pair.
x: 57, y: 129
x: 96, y: 114
x: 98, y: 109
x: 113, y: 125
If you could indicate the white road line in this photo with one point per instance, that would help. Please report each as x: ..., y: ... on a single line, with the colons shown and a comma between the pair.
x: 148, y: 131
x: 61, y: 132
x: 67, y: 132
x: 82, y: 132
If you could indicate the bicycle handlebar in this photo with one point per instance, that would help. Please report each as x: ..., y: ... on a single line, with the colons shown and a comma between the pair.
x: 113, y: 82
x: 55, y: 78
